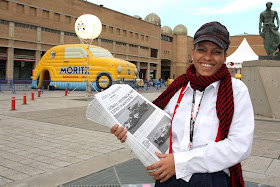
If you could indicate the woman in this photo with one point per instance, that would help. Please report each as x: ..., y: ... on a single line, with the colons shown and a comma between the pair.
x: 212, y: 119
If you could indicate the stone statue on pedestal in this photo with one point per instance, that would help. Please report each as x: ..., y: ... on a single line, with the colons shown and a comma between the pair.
x: 269, y: 31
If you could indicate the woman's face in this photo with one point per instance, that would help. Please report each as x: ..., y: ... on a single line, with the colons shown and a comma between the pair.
x: 208, y: 58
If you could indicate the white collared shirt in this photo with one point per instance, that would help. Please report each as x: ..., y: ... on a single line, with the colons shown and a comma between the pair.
x: 206, y: 154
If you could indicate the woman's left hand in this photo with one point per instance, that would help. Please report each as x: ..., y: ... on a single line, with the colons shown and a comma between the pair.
x: 165, y: 168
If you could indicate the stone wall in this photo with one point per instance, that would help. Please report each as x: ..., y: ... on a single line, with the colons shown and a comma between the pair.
x: 262, y: 78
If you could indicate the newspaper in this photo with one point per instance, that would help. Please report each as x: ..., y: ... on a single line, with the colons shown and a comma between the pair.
x: 148, y: 126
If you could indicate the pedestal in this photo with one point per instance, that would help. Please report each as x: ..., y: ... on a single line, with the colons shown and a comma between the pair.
x: 262, y: 78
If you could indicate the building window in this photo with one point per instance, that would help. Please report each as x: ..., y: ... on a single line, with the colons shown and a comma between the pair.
x: 46, y: 14
x: 142, y: 37
x: 23, y: 70
x: 166, y: 52
x: 131, y: 34
x: 4, y: 5
x: 27, y: 26
x: 118, y: 31
x: 50, y: 30
x: 147, y: 38
x: 136, y: 35
x: 67, y: 19
x: 107, y: 41
x: 146, y: 48
x: 20, y: 8
x: 56, y: 17
x: 154, y: 53
x: 32, y: 11
x: 120, y: 43
x: 104, y: 28
x: 111, y: 29
x: 124, y: 33
x: 4, y: 22
x: 131, y: 45
x: 166, y: 38
x: 70, y: 34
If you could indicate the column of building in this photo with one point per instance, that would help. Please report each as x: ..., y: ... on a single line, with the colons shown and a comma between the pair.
x: 10, y: 53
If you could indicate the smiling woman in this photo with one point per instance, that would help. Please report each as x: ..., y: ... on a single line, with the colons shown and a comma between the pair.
x: 205, y: 152
x: 208, y: 58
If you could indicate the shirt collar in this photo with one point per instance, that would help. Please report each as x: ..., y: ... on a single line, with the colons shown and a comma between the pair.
x: 214, y: 85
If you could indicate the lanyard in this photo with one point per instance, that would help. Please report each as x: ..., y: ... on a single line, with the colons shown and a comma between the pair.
x: 193, y: 116
x: 192, y: 120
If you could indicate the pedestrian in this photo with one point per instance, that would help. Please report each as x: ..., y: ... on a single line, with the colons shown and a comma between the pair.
x: 212, y: 119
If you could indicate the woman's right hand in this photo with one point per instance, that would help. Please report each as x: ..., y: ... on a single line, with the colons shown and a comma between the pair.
x: 119, y: 132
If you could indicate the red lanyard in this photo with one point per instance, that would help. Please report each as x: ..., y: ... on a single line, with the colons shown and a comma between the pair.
x: 192, y: 120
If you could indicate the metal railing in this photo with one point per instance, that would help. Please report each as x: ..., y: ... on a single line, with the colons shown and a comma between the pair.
x: 26, y: 85
x: 15, y: 85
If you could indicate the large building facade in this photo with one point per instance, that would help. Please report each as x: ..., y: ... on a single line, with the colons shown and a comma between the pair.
x: 28, y: 28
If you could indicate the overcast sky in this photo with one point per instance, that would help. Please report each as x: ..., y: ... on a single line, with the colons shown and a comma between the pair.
x: 239, y: 16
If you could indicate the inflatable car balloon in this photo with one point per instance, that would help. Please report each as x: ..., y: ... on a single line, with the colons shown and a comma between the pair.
x: 88, y: 26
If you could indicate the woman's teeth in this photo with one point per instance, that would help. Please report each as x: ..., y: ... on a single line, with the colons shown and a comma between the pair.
x: 206, y: 65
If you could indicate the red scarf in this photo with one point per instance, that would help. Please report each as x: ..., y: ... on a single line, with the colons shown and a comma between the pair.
x: 224, y: 105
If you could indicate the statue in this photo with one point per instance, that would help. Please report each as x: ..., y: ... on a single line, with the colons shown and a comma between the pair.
x: 268, y: 30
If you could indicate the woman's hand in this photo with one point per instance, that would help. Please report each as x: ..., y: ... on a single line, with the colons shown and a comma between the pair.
x: 119, y: 132
x: 165, y: 168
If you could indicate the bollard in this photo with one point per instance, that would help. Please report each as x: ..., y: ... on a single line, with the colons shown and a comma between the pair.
x: 13, y: 103
x: 65, y: 92
x: 32, y: 95
x: 39, y: 92
x: 24, y: 99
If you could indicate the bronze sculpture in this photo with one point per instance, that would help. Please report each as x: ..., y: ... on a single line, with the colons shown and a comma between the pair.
x: 268, y: 30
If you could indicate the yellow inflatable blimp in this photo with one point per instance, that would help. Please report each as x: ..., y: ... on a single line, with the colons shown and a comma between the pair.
x: 67, y: 67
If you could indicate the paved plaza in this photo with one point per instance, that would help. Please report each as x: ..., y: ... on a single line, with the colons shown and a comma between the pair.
x: 49, y: 142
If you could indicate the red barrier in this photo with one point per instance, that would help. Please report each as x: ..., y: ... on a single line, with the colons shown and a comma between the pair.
x: 13, y: 103
x: 32, y: 95
x: 24, y: 99
x: 66, y: 92
x: 39, y: 92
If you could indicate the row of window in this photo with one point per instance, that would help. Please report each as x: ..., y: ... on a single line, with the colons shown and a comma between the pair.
x: 131, y: 34
x: 146, y: 48
x: 131, y: 45
x: 70, y: 34
x: 23, y: 25
x: 27, y: 26
x: 50, y: 30
x: 45, y: 29
x: 122, y: 43
x: 106, y: 40
x: 166, y: 52
x: 57, y: 17
x: 33, y: 11
x: 4, y: 22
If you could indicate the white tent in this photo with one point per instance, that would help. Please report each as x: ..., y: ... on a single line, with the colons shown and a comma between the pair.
x: 244, y: 52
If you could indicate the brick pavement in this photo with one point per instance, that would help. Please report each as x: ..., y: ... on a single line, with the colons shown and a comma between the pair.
x: 49, y: 142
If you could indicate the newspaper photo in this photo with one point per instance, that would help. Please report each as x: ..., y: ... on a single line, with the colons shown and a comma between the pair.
x: 148, y: 126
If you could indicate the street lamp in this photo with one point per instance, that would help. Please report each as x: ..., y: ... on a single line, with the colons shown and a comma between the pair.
x: 87, y: 28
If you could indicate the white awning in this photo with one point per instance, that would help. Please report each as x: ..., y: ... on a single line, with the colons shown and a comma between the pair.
x: 244, y: 52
